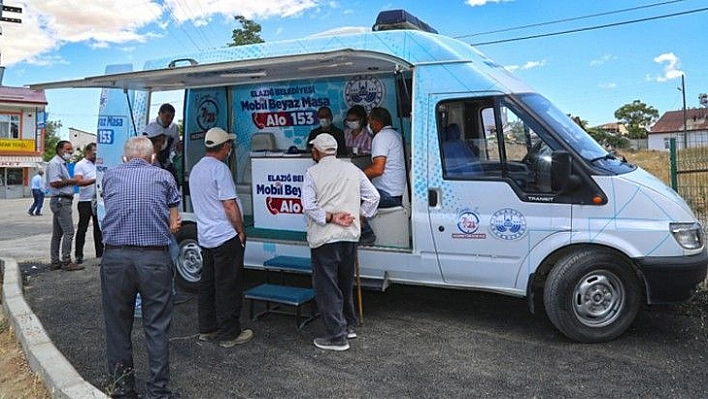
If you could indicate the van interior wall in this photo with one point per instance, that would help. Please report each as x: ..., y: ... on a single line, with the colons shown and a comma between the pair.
x: 287, y: 112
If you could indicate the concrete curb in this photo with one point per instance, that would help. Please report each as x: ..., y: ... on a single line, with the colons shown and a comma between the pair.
x: 59, y: 376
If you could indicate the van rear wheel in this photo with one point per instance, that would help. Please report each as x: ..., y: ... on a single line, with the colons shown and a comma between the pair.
x: 592, y: 295
x: 189, y: 261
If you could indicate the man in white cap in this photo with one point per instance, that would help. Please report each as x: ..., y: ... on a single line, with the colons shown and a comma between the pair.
x: 222, y: 237
x: 334, y: 194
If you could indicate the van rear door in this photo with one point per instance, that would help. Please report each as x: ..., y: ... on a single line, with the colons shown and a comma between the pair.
x: 491, y: 202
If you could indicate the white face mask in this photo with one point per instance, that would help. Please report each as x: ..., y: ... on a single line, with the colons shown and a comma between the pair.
x: 325, y: 123
x: 354, y: 125
x: 66, y: 156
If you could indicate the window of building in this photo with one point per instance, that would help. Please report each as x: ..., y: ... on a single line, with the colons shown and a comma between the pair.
x: 9, y: 126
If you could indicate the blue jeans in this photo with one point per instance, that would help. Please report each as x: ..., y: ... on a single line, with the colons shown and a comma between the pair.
x: 124, y: 274
x: 36, y: 208
x: 387, y: 201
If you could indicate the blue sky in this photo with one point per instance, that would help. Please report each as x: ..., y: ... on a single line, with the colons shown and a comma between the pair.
x: 589, y: 73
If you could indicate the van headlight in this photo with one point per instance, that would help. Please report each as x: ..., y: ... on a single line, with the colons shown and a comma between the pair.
x: 688, y: 235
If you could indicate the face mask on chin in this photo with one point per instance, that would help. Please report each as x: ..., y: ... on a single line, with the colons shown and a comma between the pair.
x: 66, y: 156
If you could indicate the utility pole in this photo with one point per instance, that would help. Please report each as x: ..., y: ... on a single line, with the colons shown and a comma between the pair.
x: 685, y: 128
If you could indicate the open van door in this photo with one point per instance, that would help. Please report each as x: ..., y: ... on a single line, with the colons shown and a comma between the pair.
x: 491, y: 196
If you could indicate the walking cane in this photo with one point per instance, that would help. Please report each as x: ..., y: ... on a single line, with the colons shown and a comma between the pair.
x: 358, y: 289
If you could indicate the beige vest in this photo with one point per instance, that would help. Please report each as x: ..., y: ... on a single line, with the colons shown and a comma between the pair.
x: 337, y: 188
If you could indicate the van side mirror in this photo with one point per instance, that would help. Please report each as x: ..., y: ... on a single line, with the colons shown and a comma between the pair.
x: 561, y: 169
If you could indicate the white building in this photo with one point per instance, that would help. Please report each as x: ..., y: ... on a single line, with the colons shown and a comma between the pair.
x: 80, y: 139
x: 671, y: 125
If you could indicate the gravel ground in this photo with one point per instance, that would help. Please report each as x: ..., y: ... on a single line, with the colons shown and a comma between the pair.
x: 415, y: 341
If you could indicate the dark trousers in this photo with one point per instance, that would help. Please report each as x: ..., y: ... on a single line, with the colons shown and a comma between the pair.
x: 333, y: 267
x: 124, y: 274
x: 85, y: 215
x: 221, y: 290
x: 36, y: 208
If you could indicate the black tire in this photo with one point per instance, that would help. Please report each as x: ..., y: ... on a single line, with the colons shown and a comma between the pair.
x: 189, y: 261
x: 592, y: 295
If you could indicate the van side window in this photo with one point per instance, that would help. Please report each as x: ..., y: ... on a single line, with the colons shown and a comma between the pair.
x: 493, y: 138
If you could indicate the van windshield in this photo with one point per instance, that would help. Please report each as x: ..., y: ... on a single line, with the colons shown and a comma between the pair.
x: 570, y: 132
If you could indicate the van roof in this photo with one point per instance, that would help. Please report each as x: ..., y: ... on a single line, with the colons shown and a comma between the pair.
x: 323, y: 56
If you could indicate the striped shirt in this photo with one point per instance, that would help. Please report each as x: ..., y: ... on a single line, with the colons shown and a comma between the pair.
x: 361, y: 141
x: 137, y: 198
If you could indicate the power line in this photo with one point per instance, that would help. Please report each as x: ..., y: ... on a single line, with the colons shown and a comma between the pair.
x: 174, y: 18
x: 569, y: 19
x: 589, y: 28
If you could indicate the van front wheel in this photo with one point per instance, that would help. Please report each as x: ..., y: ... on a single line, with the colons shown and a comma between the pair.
x: 189, y: 261
x: 592, y: 295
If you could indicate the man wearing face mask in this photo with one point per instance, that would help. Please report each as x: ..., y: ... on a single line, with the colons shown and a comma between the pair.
x: 324, y: 115
x: 85, y: 175
x: 61, y: 191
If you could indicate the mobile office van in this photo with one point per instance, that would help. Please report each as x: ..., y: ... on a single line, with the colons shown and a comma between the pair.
x: 505, y: 193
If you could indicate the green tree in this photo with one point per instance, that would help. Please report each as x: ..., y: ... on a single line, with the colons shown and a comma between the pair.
x: 51, y: 138
x: 637, y: 116
x: 248, y: 33
x: 602, y: 136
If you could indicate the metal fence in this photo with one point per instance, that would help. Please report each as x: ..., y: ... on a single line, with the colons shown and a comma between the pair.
x: 689, y: 174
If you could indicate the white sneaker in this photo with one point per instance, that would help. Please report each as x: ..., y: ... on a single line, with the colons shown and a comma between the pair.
x: 333, y: 345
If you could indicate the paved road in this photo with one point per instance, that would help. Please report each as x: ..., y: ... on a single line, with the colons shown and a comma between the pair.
x: 415, y: 341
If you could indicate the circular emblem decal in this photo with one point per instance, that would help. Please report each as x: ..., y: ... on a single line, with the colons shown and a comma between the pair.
x: 207, y: 114
x: 508, y: 224
x: 364, y: 90
x: 467, y: 222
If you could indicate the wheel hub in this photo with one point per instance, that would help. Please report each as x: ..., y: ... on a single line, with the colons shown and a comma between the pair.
x: 598, y: 298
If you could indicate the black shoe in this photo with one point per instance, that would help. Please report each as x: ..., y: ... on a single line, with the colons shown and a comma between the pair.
x: 79, y: 260
x: 30, y: 213
x: 332, y: 344
x: 37, y: 214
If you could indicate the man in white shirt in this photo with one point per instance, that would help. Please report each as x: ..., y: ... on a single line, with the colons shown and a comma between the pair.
x: 164, y: 124
x: 85, y: 175
x: 387, y: 170
x: 222, y: 237
x: 334, y: 194
x: 37, y: 187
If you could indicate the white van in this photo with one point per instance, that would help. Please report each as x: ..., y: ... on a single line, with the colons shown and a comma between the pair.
x: 506, y: 193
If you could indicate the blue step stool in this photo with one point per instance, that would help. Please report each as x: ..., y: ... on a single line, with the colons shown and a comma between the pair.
x: 290, y: 264
x: 282, y: 295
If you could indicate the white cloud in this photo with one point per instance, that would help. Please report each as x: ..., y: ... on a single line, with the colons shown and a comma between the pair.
x: 609, y: 85
x: 671, y: 68
x: 49, y: 24
x: 533, y: 64
x: 526, y: 66
x: 605, y: 58
x: 475, y: 3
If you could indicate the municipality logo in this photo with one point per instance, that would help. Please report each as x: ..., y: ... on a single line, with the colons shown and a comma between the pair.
x: 508, y: 224
x: 365, y: 90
